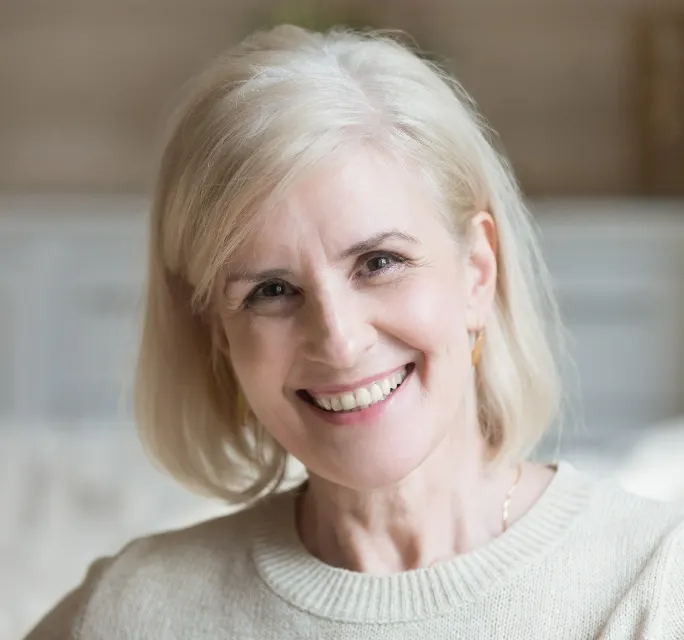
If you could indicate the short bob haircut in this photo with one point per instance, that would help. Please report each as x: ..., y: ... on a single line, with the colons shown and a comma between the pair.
x: 256, y: 121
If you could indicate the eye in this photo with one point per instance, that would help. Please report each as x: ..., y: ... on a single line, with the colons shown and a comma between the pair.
x: 269, y: 292
x: 380, y: 263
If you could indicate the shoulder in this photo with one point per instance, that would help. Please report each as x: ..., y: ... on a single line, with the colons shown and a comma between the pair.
x: 212, y: 550
x: 171, y: 579
x: 670, y: 577
x: 195, y: 544
x: 622, y: 526
x: 639, y: 542
x: 618, y: 512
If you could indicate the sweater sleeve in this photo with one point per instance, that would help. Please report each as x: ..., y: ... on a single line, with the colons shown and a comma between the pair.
x: 64, y: 621
x: 672, y: 590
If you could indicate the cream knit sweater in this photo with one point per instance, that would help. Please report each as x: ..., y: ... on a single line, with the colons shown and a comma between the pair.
x: 587, y: 561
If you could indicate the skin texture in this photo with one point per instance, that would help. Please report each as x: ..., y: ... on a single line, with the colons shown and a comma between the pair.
x: 406, y: 484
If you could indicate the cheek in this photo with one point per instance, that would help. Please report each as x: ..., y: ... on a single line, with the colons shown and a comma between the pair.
x: 433, y: 314
x: 259, y: 355
x: 433, y: 323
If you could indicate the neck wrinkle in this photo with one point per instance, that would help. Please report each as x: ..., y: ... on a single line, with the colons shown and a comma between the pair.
x: 288, y: 569
x: 414, y: 526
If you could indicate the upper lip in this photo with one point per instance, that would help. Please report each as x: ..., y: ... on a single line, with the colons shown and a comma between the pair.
x: 342, y: 388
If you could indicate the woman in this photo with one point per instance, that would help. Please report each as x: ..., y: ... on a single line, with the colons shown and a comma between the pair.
x: 342, y: 271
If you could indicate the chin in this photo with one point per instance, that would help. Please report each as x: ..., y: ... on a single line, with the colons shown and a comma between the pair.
x: 377, y: 465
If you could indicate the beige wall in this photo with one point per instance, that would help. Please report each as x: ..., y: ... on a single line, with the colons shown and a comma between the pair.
x: 82, y: 82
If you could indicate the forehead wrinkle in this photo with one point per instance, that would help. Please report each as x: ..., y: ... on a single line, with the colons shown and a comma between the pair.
x: 279, y: 256
x: 308, y: 225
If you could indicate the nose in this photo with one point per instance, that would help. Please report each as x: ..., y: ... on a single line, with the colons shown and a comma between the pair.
x: 338, y: 330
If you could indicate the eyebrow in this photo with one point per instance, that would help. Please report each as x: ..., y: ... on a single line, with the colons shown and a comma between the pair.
x: 359, y: 248
x: 257, y: 276
x: 375, y: 241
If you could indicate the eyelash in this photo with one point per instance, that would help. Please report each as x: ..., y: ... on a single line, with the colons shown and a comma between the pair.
x: 395, y: 259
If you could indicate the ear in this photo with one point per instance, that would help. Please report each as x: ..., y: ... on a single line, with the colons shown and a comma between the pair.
x: 481, y: 269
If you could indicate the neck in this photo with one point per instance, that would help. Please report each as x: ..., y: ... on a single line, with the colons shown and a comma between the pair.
x: 450, y: 505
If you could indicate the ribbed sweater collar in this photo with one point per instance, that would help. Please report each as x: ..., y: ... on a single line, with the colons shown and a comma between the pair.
x: 309, y: 584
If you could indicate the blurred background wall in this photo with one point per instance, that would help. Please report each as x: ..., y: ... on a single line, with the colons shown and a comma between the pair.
x: 563, y: 81
x: 588, y: 100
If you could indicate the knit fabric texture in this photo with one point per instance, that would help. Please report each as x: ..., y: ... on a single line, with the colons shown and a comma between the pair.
x: 588, y: 560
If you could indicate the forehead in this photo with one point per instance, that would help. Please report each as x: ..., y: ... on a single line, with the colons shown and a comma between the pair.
x: 338, y: 204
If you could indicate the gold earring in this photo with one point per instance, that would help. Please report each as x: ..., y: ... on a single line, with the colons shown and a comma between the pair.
x: 241, y: 405
x: 476, y: 353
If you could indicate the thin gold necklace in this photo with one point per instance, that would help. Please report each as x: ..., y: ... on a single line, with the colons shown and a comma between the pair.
x: 299, y: 491
x: 507, y: 501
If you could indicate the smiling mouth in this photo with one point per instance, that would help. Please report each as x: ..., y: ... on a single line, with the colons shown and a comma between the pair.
x: 361, y: 398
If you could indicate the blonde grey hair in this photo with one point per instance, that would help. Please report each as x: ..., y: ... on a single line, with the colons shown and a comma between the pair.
x: 261, y: 116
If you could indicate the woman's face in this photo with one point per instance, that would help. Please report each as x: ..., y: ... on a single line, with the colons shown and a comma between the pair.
x: 347, y: 316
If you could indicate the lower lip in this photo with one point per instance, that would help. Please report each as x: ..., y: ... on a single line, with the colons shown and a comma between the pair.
x: 364, y: 416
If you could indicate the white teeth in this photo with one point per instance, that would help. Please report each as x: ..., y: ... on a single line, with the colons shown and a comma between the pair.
x: 348, y: 401
x: 376, y: 393
x: 363, y: 397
